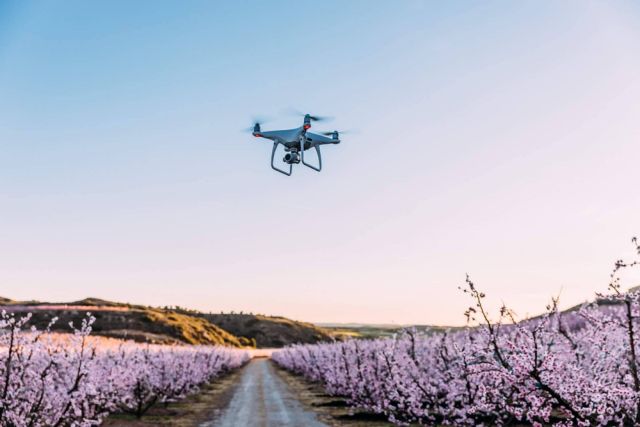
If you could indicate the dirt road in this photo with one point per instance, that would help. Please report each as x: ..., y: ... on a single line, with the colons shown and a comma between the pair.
x: 262, y: 399
x: 257, y: 395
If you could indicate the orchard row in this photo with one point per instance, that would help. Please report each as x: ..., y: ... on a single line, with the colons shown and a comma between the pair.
x: 575, y: 368
x: 49, y: 379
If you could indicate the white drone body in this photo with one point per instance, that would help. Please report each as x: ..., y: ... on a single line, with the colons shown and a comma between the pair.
x: 296, y: 142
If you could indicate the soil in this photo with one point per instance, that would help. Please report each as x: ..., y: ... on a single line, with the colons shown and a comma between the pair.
x: 259, y: 394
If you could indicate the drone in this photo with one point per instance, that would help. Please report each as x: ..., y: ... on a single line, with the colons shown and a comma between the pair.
x: 296, y: 142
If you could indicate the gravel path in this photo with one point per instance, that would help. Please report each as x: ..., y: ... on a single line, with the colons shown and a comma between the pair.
x: 262, y: 399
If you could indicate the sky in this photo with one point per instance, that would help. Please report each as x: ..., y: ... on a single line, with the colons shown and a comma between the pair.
x: 499, y: 139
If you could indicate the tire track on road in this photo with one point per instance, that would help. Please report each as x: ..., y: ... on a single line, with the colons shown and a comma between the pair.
x: 262, y: 399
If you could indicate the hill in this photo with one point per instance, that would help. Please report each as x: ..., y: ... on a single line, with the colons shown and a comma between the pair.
x: 170, y: 325
x: 138, y: 323
x: 343, y: 331
x: 269, y: 331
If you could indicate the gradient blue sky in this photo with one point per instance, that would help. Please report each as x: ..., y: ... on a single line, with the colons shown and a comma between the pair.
x: 495, y: 138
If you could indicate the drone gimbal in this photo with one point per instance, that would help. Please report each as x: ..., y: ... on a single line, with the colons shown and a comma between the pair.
x: 294, y: 156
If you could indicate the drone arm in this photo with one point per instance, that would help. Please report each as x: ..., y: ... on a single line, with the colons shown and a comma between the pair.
x: 273, y: 166
x: 319, y: 168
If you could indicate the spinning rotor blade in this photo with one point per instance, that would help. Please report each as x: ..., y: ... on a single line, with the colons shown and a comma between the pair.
x: 319, y: 118
x: 341, y: 132
x: 261, y: 119
x: 314, y: 118
x: 257, y: 120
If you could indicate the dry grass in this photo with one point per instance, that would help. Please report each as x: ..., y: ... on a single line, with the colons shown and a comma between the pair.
x: 330, y: 410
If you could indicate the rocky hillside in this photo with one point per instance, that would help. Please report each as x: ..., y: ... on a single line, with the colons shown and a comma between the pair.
x: 169, y: 325
x: 269, y: 331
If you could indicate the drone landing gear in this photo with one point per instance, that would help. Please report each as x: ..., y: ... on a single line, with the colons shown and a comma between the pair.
x: 293, y: 158
x: 273, y: 166
x: 319, y: 168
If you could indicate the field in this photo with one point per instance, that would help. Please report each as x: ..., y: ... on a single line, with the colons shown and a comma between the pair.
x: 579, y: 367
x: 575, y: 367
x: 51, y: 379
x: 560, y: 368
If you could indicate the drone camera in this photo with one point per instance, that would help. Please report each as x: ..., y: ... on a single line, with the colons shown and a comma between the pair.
x: 291, y: 158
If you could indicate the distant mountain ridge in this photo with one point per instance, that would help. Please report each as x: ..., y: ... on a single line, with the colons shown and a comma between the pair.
x: 170, y: 325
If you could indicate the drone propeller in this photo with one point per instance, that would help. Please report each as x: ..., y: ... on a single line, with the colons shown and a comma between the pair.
x: 313, y: 118
x: 257, y: 120
x: 341, y: 132
x: 261, y: 119
x: 319, y: 118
